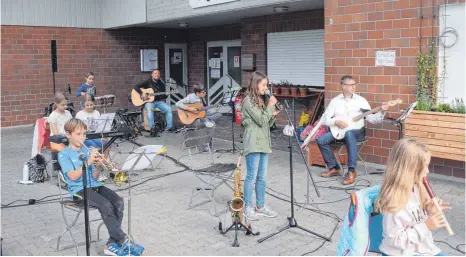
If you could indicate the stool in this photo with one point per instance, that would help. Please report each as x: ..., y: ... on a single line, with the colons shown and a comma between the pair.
x: 340, y: 145
x: 159, y: 117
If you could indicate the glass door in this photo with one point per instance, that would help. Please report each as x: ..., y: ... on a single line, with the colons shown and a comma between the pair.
x: 176, y: 70
x: 223, y: 69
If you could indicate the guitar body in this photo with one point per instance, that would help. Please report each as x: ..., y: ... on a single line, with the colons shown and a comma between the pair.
x: 339, y: 133
x: 187, y: 117
x: 136, y: 97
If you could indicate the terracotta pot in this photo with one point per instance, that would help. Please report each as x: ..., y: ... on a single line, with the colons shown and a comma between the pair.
x: 275, y: 90
x: 302, y: 91
x: 293, y: 91
x: 284, y: 91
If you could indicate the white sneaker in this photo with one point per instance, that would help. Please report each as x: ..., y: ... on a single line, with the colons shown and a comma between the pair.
x: 250, y: 214
x: 265, y: 211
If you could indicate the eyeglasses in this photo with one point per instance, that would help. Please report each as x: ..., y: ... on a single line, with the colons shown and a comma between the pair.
x: 352, y: 85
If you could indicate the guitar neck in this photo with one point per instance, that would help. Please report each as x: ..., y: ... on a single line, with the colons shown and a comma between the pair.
x: 363, y: 115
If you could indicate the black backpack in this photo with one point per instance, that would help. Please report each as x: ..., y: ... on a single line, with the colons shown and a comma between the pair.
x: 37, y: 167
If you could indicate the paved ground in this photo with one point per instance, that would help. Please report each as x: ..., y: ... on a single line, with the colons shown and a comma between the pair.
x: 162, y: 222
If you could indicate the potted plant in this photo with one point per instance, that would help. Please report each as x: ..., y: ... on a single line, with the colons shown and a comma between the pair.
x: 439, y: 125
x: 302, y: 90
x: 284, y: 88
x: 293, y: 90
x: 275, y: 88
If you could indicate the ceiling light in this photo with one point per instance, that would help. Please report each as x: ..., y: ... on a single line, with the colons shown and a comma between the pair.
x: 279, y: 9
x: 183, y: 24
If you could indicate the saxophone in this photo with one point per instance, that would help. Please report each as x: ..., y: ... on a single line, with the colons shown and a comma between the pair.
x: 237, y: 203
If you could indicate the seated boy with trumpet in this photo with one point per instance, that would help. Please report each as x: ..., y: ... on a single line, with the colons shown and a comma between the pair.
x: 109, y: 203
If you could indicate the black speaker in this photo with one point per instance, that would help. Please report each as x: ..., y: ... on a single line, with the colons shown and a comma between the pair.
x: 54, y: 56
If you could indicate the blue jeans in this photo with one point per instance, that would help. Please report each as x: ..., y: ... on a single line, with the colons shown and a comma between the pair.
x: 150, y: 107
x: 351, y: 139
x: 256, y: 172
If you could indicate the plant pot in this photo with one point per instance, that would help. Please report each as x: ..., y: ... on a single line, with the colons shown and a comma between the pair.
x: 293, y: 91
x: 284, y: 91
x: 302, y: 91
x: 275, y: 90
x: 442, y: 132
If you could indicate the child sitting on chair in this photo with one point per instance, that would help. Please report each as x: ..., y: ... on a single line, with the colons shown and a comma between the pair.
x: 109, y: 203
x: 198, y: 96
x: 409, y: 215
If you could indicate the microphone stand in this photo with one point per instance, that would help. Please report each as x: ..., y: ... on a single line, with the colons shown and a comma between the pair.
x: 292, y: 223
x: 86, y: 204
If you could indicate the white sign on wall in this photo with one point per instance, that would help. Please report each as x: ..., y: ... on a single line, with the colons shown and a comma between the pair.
x: 385, y: 58
x: 149, y: 59
x: 203, y: 3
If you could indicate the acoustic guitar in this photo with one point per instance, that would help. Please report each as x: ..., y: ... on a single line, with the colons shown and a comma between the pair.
x: 339, y: 133
x: 187, y: 117
x: 147, y: 95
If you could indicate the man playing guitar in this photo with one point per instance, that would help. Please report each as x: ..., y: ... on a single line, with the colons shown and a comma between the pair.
x: 156, y: 83
x: 346, y: 104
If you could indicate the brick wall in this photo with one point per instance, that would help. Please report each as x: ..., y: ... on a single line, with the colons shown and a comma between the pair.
x: 254, y: 41
x: 354, y: 30
x: 112, y: 55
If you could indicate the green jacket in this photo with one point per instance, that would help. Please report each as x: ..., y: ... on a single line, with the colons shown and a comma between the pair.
x: 257, y: 123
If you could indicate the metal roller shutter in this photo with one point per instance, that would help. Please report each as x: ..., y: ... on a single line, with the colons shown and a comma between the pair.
x: 296, y: 56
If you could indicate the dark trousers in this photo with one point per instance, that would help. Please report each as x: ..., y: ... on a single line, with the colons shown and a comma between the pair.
x: 352, y: 137
x: 110, y: 206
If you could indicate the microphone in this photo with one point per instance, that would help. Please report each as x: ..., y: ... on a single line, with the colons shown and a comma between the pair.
x: 82, y: 157
x: 269, y: 94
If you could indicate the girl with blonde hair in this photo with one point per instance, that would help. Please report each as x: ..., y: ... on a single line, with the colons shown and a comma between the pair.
x: 409, y: 216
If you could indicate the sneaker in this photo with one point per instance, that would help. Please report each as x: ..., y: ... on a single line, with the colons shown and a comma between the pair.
x: 112, y: 249
x: 250, y: 214
x: 172, y: 129
x: 265, y: 211
x: 136, y: 249
x: 102, y: 177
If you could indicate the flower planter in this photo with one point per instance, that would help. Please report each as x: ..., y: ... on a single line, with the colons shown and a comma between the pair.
x: 284, y: 91
x: 444, y: 133
x: 302, y: 91
x: 293, y: 91
x: 314, y: 157
x: 275, y: 90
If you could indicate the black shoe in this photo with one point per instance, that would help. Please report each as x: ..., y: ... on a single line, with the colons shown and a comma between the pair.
x: 172, y: 129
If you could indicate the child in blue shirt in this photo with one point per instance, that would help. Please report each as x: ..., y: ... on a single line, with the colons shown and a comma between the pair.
x: 109, y: 203
x: 86, y: 88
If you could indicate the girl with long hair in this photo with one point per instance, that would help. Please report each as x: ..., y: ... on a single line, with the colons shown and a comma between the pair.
x: 60, y: 115
x: 409, y: 215
x: 258, y: 116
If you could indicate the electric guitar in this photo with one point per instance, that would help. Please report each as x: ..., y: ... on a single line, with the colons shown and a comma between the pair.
x: 147, y: 95
x: 187, y: 117
x: 339, y: 133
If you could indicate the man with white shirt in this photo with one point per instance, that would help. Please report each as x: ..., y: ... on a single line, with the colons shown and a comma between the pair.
x: 346, y: 104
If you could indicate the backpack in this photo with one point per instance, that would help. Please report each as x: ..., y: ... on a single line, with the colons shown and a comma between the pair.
x: 37, y: 167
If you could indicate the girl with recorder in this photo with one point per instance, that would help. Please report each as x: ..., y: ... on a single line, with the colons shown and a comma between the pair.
x: 409, y: 214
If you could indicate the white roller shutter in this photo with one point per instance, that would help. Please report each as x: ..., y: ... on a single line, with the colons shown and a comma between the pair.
x: 296, y: 56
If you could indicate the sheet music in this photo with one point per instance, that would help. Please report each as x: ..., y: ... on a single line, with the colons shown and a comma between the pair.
x: 149, y: 152
x: 104, y: 123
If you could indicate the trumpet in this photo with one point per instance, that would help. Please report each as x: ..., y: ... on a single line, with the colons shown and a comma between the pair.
x: 106, y: 166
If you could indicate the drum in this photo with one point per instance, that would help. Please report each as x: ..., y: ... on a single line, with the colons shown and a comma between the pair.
x: 109, y: 100
x: 99, y: 101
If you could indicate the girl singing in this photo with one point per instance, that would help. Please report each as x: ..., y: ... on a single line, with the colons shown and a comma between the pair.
x: 258, y: 116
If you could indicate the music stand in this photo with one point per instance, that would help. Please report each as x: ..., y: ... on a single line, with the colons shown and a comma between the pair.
x: 139, y: 160
x: 400, y: 121
x: 231, y: 103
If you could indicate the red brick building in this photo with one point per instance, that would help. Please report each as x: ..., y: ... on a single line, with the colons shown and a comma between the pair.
x: 353, y: 30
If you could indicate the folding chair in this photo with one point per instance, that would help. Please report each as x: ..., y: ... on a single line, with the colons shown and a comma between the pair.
x: 340, y: 144
x: 211, y: 177
x: 69, y: 203
x: 198, y: 138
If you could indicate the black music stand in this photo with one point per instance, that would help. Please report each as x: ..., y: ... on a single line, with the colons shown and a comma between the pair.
x: 292, y: 223
x: 400, y: 121
x: 231, y: 104
x: 83, y: 158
